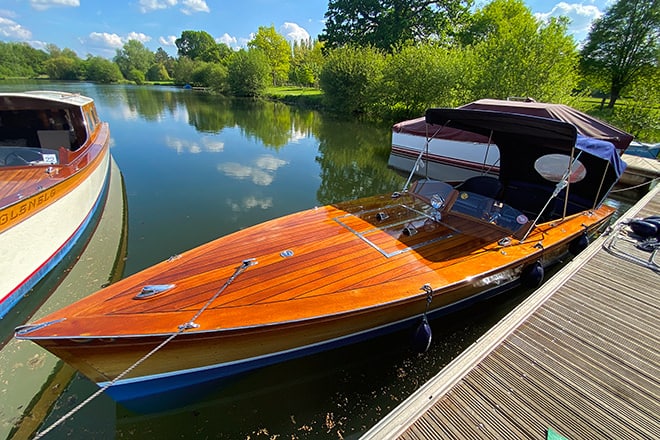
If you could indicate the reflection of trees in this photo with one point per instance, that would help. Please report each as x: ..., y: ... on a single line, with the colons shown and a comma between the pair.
x: 353, y: 159
x: 151, y: 103
x: 352, y: 155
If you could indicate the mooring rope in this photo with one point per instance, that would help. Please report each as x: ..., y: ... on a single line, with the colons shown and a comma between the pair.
x: 650, y: 182
x: 182, y: 328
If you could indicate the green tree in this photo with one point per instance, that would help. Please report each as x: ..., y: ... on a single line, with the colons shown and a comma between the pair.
x: 517, y: 55
x: 211, y: 75
x: 102, y: 70
x: 416, y: 77
x: 157, y: 72
x: 350, y: 79
x: 200, y: 46
x: 306, y: 63
x: 63, y: 67
x: 163, y: 58
x: 63, y: 64
x: 277, y: 51
x: 622, y: 45
x: 134, y: 56
x: 248, y: 73
x: 385, y: 23
x: 21, y: 60
x: 183, y: 70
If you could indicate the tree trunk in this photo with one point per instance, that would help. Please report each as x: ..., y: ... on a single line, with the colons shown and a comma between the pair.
x: 614, y: 95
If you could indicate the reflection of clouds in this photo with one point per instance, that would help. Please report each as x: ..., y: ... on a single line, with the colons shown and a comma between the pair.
x: 249, y: 203
x: 206, y: 144
x: 262, y: 173
x: 270, y: 163
x: 297, y: 135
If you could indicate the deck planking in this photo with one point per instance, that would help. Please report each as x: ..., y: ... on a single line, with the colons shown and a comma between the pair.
x: 579, y: 356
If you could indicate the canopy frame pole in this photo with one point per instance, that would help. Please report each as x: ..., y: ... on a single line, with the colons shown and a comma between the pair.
x: 423, y: 151
x: 602, y: 182
x: 564, y: 182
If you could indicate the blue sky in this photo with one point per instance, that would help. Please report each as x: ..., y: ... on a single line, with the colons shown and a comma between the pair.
x: 100, y: 27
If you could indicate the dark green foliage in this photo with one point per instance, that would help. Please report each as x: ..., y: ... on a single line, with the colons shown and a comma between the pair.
x: 386, y: 23
x: 21, y: 60
x: 211, y: 75
x: 248, y: 73
x: 99, y: 69
x: 134, y: 56
x: 420, y: 76
x: 623, y: 45
x: 350, y: 79
x: 158, y: 72
x: 200, y: 46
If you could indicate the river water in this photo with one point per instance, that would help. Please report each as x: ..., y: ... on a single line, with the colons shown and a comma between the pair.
x: 195, y: 167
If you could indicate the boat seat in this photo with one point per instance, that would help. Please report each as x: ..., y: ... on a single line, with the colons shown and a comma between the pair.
x: 54, y: 139
x: 527, y: 197
x: 487, y: 186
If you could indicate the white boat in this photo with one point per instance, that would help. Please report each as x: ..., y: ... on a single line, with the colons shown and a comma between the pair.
x: 456, y: 155
x: 54, y: 168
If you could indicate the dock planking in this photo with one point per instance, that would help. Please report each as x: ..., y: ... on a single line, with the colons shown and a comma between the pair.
x: 580, y: 357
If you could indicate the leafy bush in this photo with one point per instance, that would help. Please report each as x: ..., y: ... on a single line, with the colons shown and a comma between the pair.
x: 350, y: 79
x: 248, y: 73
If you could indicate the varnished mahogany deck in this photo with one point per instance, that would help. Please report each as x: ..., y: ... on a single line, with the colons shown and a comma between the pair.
x: 332, y: 271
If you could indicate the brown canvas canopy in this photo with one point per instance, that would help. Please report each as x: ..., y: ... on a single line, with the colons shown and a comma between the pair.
x: 585, y: 124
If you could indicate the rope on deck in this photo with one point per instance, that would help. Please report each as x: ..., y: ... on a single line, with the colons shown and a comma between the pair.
x: 182, y: 328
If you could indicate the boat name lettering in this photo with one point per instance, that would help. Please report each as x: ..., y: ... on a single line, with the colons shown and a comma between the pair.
x: 26, y: 207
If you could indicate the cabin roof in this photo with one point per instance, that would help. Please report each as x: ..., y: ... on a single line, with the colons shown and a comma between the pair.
x: 26, y: 100
x: 585, y: 124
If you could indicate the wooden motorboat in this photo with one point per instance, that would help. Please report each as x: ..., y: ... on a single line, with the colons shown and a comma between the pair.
x: 54, y: 167
x: 338, y: 274
x: 456, y: 155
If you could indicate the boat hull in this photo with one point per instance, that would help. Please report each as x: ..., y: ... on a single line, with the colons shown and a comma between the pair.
x: 449, y: 160
x: 39, y: 231
x: 195, y: 358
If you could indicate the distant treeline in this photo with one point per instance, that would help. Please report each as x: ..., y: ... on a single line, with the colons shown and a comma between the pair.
x: 433, y: 54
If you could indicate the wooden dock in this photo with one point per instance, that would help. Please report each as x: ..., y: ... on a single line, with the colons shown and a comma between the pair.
x: 639, y: 170
x: 578, y: 358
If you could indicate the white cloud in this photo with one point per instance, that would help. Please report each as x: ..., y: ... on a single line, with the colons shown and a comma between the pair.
x: 42, y: 5
x: 139, y: 36
x: 228, y: 40
x: 581, y: 16
x: 192, y: 6
x: 106, y: 40
x: 170, y: 40
x: 11, y: 29
x: 154, y: 5
x: 114, y: 41
x: 293, y: 32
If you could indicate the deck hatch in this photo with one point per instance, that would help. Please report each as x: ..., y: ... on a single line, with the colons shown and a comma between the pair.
x: 386, y: 233
x: 153, y: 290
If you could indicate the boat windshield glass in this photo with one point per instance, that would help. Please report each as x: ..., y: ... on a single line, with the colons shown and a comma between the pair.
x: 489, y: 210
x: 13, y: 156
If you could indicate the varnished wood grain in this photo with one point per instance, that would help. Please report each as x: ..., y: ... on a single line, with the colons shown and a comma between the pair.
x: 334, y: 284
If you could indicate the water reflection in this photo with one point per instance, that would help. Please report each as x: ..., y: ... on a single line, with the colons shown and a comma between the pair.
x: 196, y: 167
